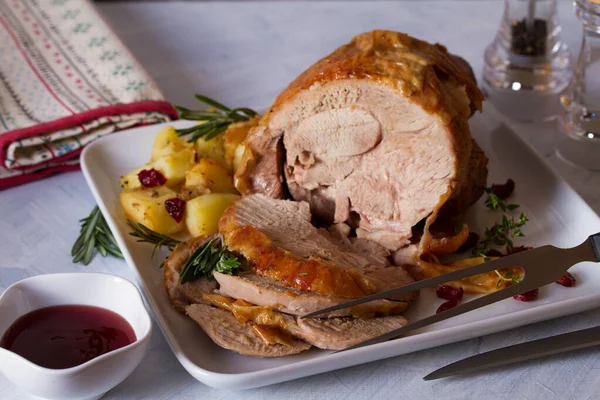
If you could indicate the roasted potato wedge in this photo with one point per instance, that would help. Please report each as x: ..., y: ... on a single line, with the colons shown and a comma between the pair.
x: 173, y: 166
x: 167, y: 142
x: 209, y: 176
x: 238, y: 156
x: 202, y: 213
x: 234, y: 136
x: 212, y: 148
x: 147, y: 206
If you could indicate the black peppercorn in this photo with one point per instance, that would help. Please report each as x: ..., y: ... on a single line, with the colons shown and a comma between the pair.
x: 528, y: 41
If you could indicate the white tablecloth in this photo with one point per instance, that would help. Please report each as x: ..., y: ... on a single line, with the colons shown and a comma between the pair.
x: 244, y: 54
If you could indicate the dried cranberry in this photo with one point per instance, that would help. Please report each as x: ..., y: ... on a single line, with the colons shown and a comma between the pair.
x: 494, y: 253
x: 151, y: 178
x: 503, y: 191
x: 517, y: 249
x: 567, y: 280
x: 447, y: 305
x: 471, y: 242
x: 527, y: 296
x: 175, y: 207
x: 449, y: 293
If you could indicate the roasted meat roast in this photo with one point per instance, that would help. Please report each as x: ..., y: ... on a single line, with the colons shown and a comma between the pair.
x: 345, y: 174
x: 374, y: 135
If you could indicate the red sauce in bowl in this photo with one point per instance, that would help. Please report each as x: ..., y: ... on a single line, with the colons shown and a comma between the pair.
x: 67, y: 335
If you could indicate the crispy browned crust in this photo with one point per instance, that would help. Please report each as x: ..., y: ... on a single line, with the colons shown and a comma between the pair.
x: 417, y: 69
x: 423, y: 72
x: 312, y: 275
x: 470, y: 189
x: 448, y: 244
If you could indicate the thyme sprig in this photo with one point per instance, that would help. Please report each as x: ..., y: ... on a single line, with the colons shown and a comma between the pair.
x: 94, y: 235
x: 147, y: 235
x: 501, y: 234
x: 210, y: 257
x: 215, y: 120
x: 493, y: 202
x: 509, y: 276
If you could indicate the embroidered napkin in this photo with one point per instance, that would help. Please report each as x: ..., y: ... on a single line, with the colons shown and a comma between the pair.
x: 65, y: 80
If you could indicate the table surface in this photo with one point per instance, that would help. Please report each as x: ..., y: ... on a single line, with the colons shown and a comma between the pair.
x: 245, y: 53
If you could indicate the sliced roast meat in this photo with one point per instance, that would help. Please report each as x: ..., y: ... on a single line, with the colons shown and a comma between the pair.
x: 182, y: 295
x: 341, y: 333
x: 326, y: 333
x: 226, y: 331
x: 332, y: 333
x: 376, y: 132
x: 193, y: 291
x: 391, y: 278
x: 288, y: 225
x: 278, y: 240
x: 265, y: 291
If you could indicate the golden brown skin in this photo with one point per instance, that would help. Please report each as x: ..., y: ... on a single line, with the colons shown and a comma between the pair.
x: 414, y: 67
x: 420, y: 71
x: 312, y: 275
x: 448, y: 244
x: 485, y: 283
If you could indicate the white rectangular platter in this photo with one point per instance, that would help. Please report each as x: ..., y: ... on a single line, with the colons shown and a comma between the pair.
x: 557, y: 216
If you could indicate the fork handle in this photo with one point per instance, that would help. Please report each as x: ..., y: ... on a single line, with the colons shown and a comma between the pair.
x: 595, y: 242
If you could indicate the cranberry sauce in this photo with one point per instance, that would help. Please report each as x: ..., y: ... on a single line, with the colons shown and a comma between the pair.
x: 67, y: 335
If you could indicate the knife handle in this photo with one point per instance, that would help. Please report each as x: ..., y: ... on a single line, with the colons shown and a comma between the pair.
x: 595, y: 242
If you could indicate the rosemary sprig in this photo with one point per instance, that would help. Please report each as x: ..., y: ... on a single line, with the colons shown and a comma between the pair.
x: 95, y: 235
x: 147, y: 235
x: 215, y: 120
x: 210, y: 257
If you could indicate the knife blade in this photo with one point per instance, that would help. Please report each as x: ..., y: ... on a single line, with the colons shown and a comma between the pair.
x: 541, y: 266
x: 521, y: 352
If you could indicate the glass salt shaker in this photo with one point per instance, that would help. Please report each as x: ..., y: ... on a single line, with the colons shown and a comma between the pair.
x: 527, y: 65
x: 580, y: 115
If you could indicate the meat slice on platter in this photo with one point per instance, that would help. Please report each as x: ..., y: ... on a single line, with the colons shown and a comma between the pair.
x: 307, y: 269
x: 374, y: 135
x: 332, y: 334
x: 263, y: 291
x: 226, y: 331
x: 277, y: 238
x: 182, y: 295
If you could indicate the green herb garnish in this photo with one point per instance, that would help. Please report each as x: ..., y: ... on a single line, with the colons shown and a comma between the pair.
x: 493, y: 202
x: 95, y: 235
x: 211, y: 256
x: 501, y: 234
x: 147, y: 235
x: 215, y: 120
x: 508, y: 276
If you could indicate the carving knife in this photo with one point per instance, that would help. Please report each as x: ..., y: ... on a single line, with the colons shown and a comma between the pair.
x: 521, y: 352
x: 541, y: 266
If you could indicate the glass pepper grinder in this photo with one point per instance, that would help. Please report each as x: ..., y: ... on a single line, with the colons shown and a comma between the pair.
x: 580, y: 115
x: 527, y: 65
